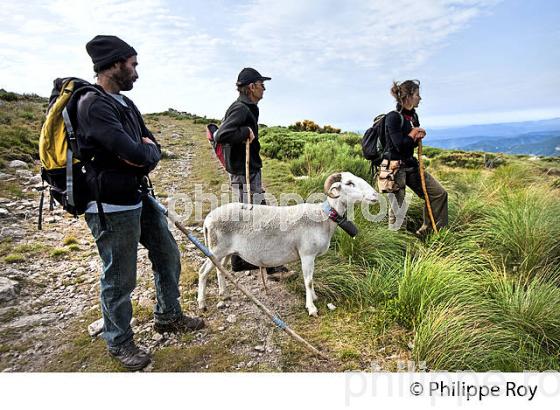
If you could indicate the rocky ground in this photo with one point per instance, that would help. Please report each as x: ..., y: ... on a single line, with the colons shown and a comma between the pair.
x: 49, y: 286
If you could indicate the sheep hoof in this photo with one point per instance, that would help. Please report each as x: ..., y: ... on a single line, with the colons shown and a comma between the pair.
x: 313, y: 312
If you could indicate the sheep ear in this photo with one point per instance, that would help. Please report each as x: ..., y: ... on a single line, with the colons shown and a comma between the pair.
x: 334, y: 190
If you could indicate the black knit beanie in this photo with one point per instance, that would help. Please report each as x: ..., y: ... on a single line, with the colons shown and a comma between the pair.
x: 105, y: 50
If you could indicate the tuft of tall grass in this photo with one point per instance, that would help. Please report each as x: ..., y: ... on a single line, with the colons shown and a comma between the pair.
x: 522, y: 229
x: 354, y: 285
x: 533, y: 307
x: 433, y: 278
x: 472, y: 337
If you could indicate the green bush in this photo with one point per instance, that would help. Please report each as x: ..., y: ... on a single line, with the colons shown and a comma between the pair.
x: 431, y: 152
x: 8, y: 96
x: 281, y: 143
x: 461, y: 159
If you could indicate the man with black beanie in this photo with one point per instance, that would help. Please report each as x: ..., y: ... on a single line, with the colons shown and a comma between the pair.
x: 123, y: 151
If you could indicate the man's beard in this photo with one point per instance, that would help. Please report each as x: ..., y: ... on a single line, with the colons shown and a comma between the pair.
x: 124, y: 79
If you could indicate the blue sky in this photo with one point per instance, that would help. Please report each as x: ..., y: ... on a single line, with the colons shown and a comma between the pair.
x: 330, y: 61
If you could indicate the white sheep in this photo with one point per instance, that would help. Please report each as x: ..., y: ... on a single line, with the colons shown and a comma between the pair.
x: 276, y: 235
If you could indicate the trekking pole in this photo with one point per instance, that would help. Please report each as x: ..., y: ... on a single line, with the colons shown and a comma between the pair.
x: 275, y: 318
x: 424, y: 189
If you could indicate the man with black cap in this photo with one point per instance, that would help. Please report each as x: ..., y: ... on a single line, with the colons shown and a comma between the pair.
x: 240, y: 124
x: 122, y: 151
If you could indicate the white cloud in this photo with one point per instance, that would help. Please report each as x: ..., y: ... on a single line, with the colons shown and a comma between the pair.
x: 331, y: 61
x: 297, y: 36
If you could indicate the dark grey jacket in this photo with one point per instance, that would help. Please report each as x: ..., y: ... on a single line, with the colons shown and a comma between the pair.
x: 234, y: 131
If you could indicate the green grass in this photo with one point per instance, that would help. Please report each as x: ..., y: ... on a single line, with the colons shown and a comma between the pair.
x: 14, y: 258
x: 59, y: 252
x: 20, y: 125
x: 444, y: 292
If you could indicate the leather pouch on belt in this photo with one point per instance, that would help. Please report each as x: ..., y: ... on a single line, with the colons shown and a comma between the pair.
x: 386, y: 181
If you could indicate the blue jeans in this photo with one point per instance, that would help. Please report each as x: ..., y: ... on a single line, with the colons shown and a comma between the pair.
x: 118, y: 247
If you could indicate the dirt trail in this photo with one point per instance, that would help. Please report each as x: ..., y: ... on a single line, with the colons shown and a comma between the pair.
x: 56, y: 273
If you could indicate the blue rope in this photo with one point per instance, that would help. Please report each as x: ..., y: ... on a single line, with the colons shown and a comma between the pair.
x: 199, y: 245
x: 278, y: 322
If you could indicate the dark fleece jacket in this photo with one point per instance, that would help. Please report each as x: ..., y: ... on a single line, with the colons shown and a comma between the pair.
x: 234, y: 131
x: 108, y: 134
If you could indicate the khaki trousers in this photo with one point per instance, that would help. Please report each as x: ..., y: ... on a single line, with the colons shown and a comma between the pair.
x: 438, y: 198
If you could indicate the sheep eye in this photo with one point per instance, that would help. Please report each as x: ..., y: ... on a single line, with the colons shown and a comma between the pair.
x: 350, y: 183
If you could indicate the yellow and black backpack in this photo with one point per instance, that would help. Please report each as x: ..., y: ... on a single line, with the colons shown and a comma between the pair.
x: 61, y: 166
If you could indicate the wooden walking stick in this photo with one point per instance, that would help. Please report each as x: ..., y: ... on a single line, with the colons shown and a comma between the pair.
x: 424, y: 189
x: 274, y: 317
x: 247, y: 173
x: 248, y: 185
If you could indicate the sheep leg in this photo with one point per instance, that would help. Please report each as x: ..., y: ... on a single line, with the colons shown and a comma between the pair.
x: 307, y: 266
x: 222, y: 288
x: 263, y: 278
x: 202, y: 278
x: 313, y: 294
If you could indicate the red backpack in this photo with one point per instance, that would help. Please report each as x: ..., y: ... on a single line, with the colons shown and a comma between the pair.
x: 218, y: 149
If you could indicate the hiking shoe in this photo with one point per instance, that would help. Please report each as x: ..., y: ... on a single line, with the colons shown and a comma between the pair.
x: 278, y: 273
x: 130, y: 356
x: 181, y: 324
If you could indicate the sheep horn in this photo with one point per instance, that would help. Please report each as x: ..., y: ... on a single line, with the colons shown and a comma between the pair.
x: 331, y: 180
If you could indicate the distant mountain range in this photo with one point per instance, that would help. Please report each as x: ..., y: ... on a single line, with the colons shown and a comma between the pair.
x: 529, y: 137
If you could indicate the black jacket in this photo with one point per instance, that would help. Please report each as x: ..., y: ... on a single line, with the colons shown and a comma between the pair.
x: 108, y: 134
x: 234, y: 131
x: 400, y: 145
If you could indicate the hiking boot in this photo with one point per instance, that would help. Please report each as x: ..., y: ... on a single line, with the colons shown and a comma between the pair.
x: 238, y: 264
x: 181, y: 324
x: 278, y: 273
x: 130, y: 356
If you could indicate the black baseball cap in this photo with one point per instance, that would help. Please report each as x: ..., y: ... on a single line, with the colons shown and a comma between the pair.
x: 249, y: 75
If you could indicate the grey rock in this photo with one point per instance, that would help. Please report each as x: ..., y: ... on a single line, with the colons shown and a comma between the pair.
x: 4, y: 176
x: 157, y: 337
x: 79, y: 271
x: 8, y: 289
x: 4, y: 200
x: 331, y: 306
x: 4, y: 212
x: 33, y: 320
x: 221, y: 305
x: 35, y: 180
x: 12, y: 233
x: 23, y: 173
x: 96, y: 327
x: 259, y: 348
x: 231, y: 318
x: 16, y: 163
